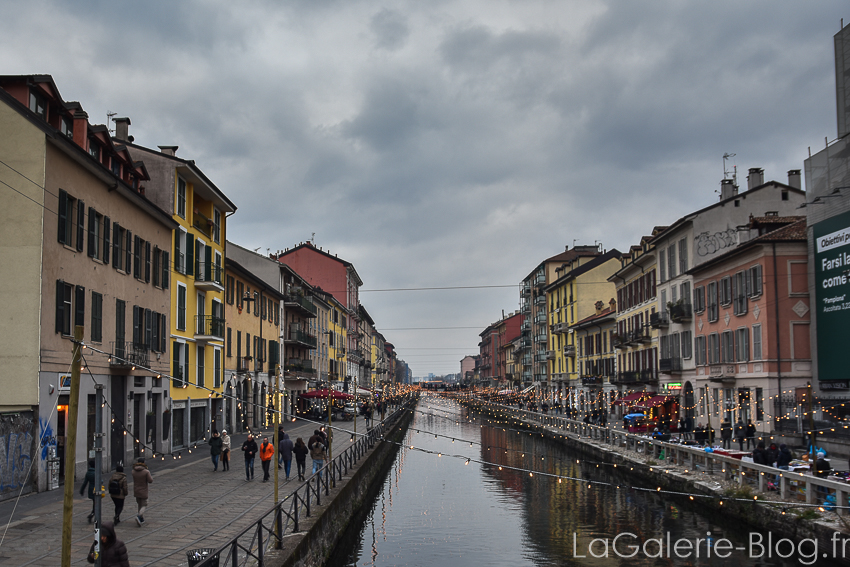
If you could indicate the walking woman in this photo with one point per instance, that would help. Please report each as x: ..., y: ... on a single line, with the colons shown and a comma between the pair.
x: 300, y: 451
x: 225, y: 450
x: 215, y: 449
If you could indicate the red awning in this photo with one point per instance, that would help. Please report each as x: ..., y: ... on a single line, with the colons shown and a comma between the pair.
x: 657, y: 401
x: 631, y: 398
x: 323, y: 394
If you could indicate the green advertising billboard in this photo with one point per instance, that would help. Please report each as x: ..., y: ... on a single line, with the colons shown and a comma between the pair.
x: 832, y: 296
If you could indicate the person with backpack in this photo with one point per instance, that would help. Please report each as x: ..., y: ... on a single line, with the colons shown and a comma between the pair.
x: 285, y: 447
x: 318, y: 451
x: 118, y: 491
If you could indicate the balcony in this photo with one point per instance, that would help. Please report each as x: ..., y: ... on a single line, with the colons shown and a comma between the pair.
x: 639, y: 336
x: 635, y: 377
x: 560, y: 328
x: 300, y: 304
x: 355, y: 356
x: 550, y: 355
x: 300, y: 366
x: 670, y: 365
x: 541, y: 338
x: 681, y: 312
x: 570, y: 350
x: 208, y: 276
x: 202, y: 223
x: 243, y: 364
x: 300, y: 338
x: 540, y: 318
x: 620, y: 341
x: 540, y: 300
x: 526, y: 289
x: 539, y: 279
x: 526, y: 325
x: 658, y: 320
x: 125, y: 354
x: 526, y: 360
x: 209, y: 328
x: 525, y: 307
x: 541, y: 357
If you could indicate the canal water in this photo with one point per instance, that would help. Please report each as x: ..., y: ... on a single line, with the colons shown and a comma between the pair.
x: 435, y: 508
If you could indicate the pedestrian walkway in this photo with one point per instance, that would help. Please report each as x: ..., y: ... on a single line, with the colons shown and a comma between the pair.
x: 190, y: 507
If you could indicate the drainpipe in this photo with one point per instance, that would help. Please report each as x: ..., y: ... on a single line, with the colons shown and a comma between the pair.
x: 778, y: 342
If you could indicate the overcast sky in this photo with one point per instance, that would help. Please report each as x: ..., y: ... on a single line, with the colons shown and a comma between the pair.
x: 448, y: 143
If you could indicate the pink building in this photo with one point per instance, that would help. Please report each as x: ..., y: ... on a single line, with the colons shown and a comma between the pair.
x: 751, y: 310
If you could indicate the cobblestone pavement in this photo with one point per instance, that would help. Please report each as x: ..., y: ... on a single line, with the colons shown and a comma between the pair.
x: 190, y: 507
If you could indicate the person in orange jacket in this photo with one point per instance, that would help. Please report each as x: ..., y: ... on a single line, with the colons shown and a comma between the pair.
x: 266, y: 456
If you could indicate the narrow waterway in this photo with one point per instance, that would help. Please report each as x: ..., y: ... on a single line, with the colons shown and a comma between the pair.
x: 435, y: 508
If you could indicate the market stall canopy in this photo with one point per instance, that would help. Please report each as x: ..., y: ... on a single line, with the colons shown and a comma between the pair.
x: 631, y: 398
x: 635, y: 415
x: 657, y: 401
x: 323, y: 394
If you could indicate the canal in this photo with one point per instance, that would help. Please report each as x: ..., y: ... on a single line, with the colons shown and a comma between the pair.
x: 500, y: 507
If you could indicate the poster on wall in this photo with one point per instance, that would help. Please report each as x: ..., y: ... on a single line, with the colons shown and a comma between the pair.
x: 832, y: 295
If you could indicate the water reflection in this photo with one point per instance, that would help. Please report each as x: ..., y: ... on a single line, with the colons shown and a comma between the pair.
x: 434, y: 508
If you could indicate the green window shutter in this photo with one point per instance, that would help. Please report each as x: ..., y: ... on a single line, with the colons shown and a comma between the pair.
x: 190, y: 255
x: 208, y: 264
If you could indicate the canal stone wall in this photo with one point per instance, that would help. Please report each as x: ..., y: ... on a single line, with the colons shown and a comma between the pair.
x: 645, y: 470
x: 320, y: 533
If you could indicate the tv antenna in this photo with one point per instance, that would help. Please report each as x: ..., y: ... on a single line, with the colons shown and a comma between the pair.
x: 109, y: 115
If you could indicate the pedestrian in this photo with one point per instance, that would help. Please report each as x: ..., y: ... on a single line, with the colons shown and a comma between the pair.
x: 689, y: 428
x: 88, y: 481
x: 699, y: 434
x: 760, y: 456
x: 215, y: 449
x: 726, y: 433
x: 300, y: 450
x: 141, y: 479
x: 681, y: 428
x: 113, y: 552
x: 284, y: 448
x: 318, y: 451
x: 266, y: 456
x: 740, y: 434
x: 225, y: 450
x: 751, y: 434
x: 328, y: 435
x: 822, y: 467
x: 784, y: 457
x: 772, y: 454
x: 249, y: 448
x: 118, y: 491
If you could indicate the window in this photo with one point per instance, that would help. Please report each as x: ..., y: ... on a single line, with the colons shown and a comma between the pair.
x: 727, y: 342
x: 754, y: 283
x: 106, y: 245
x: 137, y: 257
x: 671, y: 261
x: 128, y: 251
x: 147, y: 249
x: 742, y: 345
x: 66, y: 126
x: 120, y: 308
x: 714, y: 348
x: 713, y: 309
x: 64, y: 292
x: 229, y: 342
x: 179, y: 247
x: 217, y: 368
x: 687, y: 344
x: 200, y: 367
x: 683, y: 255
x: 699, y: 299
x: 739, y: 293
x: 181, y: 307
x: 94, y: 149
x: 138, y: 327
x: 38, y: 105
x: 181, y: 198
x: 240, y: 292
x: 662, y: 265
x: 228, y: 295
x: 700, y: 350
x: 757, y: 355
x: 726, y: 290
x: 180, y: 358
x: 118, y: 238
x: 66, y: 233
x: 95, y: 221
x: 96, y: 317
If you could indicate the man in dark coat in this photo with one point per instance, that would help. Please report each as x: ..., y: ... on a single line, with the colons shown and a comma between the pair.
x: 285, y: 447
x: 249, y: 448
x: 751, y: 434
x: 760, y: 455
x: 726, y: 434
x: 118, y: 479
x: 113, y: 552
x: 784, y: 457
x: 89, y: 481
x: 215, y: 449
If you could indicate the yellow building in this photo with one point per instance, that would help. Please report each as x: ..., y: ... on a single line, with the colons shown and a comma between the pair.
x: 180, y: 188
x: 595, y: 357
x: 329, y: 359
x: 580, y: 283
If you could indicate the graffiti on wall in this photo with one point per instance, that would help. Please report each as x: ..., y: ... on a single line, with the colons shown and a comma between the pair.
x: 707, y: 243
x: 16, y: 451
x: 46, y: 436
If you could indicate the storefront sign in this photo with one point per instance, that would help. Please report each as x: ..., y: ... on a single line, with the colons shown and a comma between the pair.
x: 674, y: 386
x: 199, y: 403
x: 835, y: 385
x: 832, y: 295
x: 178, y: 405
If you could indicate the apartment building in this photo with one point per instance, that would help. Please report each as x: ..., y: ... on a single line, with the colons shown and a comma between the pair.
x: 200, y: 208
x: 596, y: 359
x: 81, y: 244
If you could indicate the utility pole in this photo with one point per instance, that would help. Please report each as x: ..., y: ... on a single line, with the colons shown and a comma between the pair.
x: 276, y: 428
x: 71, y: 447
x: 98, y: 466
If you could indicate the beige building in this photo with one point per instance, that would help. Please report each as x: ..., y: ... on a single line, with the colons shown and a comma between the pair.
x: 80, y: 244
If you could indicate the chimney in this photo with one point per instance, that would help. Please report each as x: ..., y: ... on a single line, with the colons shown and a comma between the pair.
x: 122, y: 127
x: 81, y: 129
x: 755, y: 178
x: 168, y: 150
x: 728, y: 189
x: 794, y: 179
x: 599, y: 306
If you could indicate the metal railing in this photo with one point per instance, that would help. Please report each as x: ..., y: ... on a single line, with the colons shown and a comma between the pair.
x: 301, y: 301
x: 251, y: 546
x: 208, y: 272
x: 791, y: 486
x: 128, y: 354
x: 209, y: 326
